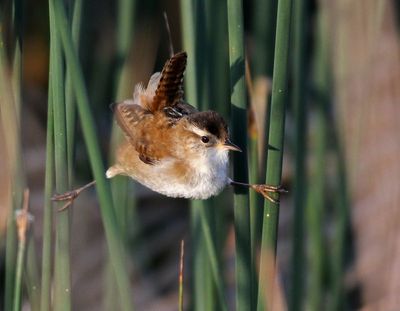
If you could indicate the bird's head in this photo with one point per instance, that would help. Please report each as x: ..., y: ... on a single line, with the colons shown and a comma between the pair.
x: 209, y: 132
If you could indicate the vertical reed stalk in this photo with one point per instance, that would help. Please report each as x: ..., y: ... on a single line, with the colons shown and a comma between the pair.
x: 45, y: 301
x: 120, y: 185
x: 62, y: 282
x: 264, y: 29
x: 70, y: 104
x: 300, y: 111
x: 123, y: 200
x: 240, y: 172
x: 198, y: 94
x: 200, y: 284
x: 275, y: 151
x: 116, y: 250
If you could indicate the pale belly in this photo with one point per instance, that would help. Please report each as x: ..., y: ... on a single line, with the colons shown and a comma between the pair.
x: 202, y: 180
x: 202, y: 183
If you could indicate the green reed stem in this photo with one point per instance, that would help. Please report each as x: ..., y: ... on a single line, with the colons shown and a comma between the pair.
x: 70, y: 104
x: 116, y: 250
x: 264, y: 28
x: 45, y: 301
x: 300, y: 111
x: 275, y: 152
x: 240, y: 171
x: 121, y: 186
x: 195, y: 31
x: 62, y: 265
x: 211, y: 250
x: 188, y: 38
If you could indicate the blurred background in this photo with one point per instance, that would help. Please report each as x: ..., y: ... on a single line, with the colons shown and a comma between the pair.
x: 339, y: 234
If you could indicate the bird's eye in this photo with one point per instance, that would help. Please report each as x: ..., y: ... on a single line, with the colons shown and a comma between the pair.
x: 205, y: 139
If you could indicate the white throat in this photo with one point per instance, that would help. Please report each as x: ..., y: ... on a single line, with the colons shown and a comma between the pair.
x: 210, y: 173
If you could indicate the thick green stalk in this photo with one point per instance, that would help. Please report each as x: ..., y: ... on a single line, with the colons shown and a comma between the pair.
x: 204, y: 297
x: 264, y: 27
x: 116, y: 250
x: 70, y: 104
x: 121, y: 186
x: 45, y: 302
x: 62, y: 282
x: 125, y: 20
x: 188, y: 38
x: 300, y: 110
x: 263, y: 32
x: 206, y: 266
x: 240, y: 171
x: 201, y: 286
x: 256, y: 205
x: 213, y: 258
x: 275, y: 153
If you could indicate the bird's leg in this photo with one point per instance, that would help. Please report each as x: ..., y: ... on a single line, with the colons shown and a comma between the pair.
x: 70, y: 196
x: 265, y: 190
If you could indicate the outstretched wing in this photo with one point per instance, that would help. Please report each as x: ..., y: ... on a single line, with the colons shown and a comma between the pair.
x: 128, y: 116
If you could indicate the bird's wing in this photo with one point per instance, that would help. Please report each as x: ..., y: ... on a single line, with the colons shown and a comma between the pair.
x: 129, y: 116
x: 162, y: 98
x: 136, y: 122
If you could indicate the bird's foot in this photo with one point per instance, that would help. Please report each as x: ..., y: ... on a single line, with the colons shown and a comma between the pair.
x: 70, y: 196
x: 267, y: 190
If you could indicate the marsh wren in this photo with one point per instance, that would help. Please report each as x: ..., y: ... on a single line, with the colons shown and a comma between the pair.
x: 170, y: 146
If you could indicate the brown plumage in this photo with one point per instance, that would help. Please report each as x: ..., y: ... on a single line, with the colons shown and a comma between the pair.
x: 171, y: 147
x: 150, y: 123
x: 170, y: 88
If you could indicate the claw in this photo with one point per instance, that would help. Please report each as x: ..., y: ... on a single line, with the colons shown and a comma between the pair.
x: 67, y: 196
x: 70, y: 196
x: 265, y: 190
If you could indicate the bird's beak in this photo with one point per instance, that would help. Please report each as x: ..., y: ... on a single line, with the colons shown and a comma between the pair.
x: 231, y: 146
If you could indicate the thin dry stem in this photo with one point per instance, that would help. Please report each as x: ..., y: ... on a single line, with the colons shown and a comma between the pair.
x: 181, y: 266
x: 23, y: 218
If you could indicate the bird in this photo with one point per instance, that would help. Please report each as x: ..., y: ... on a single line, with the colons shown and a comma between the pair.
x: 170, y: 146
